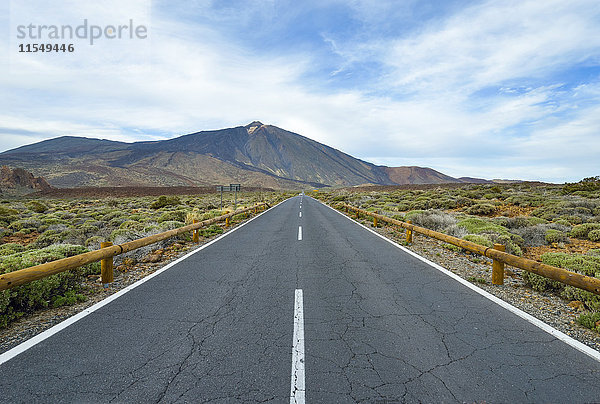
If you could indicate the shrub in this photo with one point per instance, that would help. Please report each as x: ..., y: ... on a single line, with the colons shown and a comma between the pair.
x: 131, y: 225
x: 555, y: 236
x: 16, y: 302
x: 170, y: 225
x: 164, y: 201
x: 582, y: 231
x: 479, y: 239
x: 37, y: 207
x: 594, y: 235
x: 476, y: 225
x: 510, y: 245
x: 410, y: 215
x: 121, y: 236
x: 433, y: 219
x: 481, y: 209
x: 177, y: 215
x: 93, y: 242
x: 563, y: 222
x: 11, y: 248
x: 69, y: 298
x: 591, y: 301
x: 4, y: 211
x: 585, y: 264
x: 589, y: 320
x: 211, y: 231
x: 536, y: 235
x: 50, y: 237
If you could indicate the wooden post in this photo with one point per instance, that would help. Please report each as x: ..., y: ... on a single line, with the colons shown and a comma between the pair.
x: 347, y: 209
x: 374, y: 222
x: 196, y: 233
x: 357, y: 214
x: 226, y: 222
x: 498, y: 267
x: 106, y: 266
x: 409, y: 235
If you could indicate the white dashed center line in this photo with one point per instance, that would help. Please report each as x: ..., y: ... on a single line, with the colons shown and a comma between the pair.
x: 299, y: 233
x: 299, y: 214
x: 298, y: 390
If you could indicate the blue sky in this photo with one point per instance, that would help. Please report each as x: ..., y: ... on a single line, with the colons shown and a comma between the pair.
x: 492, y: 89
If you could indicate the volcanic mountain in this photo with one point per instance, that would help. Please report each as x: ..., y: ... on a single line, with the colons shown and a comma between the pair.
x: 254, y: 155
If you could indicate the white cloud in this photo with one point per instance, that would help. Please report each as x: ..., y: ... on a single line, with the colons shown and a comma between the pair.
x: 190, y: 77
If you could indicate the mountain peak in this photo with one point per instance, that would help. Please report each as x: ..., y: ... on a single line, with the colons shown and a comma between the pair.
x: 254, y: 123
x: 253, y: 126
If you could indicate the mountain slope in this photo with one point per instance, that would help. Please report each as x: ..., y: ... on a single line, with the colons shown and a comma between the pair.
x: 255, y: 154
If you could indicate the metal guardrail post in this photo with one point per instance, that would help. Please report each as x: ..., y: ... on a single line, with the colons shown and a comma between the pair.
x: 409, y: 234
x: 106, y: 266
x: 498, y: 267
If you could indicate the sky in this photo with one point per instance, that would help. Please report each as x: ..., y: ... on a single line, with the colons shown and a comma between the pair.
x: 490, y: 89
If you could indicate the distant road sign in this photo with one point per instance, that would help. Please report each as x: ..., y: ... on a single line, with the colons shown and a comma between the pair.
x: 229, y: 188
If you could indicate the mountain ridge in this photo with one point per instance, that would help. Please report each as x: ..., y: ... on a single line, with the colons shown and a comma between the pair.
x: 255, y: 154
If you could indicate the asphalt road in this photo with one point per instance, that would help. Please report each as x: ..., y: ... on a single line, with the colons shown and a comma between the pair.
x: 372, y: 324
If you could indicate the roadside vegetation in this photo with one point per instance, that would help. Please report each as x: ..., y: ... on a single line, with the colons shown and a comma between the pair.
x: 555, y: 224
x: 35, y: 231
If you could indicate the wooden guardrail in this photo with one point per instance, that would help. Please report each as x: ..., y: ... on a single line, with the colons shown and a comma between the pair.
x: 496, y: 253
x: 107, y: 252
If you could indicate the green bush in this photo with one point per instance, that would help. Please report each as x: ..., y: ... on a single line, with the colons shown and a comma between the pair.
x: 211, y: 231
x: 479, y: 239
x: 556, y: 236
x: 582, y: 231
x: 510, y: 245
x: 93, y: 243
x: 131, y: 225
x: 541, y: 283
x: 591, y: 301
x: 18, y: 301
x: 50, y: 237
x: 177, y: 215
x: 410, y: 215
x: 164, y: 201
x: 475, y: 225
x: 589, y: 320
x: 69, y: 298
x: 594, y: 235
x: 11, y: 248
x: 585, y: 264
x: 481, y: 209
x: 124, y: 235
x: 37, y: 207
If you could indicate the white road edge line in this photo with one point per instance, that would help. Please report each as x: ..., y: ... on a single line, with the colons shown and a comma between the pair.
x: 299, y: 233
x: 22, y: 347
x: 298, y: 389
x: 592, y: 353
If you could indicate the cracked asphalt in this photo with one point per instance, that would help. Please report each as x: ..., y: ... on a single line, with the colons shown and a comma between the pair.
x: 380, y: 326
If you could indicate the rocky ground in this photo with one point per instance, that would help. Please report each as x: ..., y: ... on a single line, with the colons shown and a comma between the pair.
x: 547, y: 307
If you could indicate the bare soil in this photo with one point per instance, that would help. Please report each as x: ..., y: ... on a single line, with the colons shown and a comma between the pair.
x: 120, y: 192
